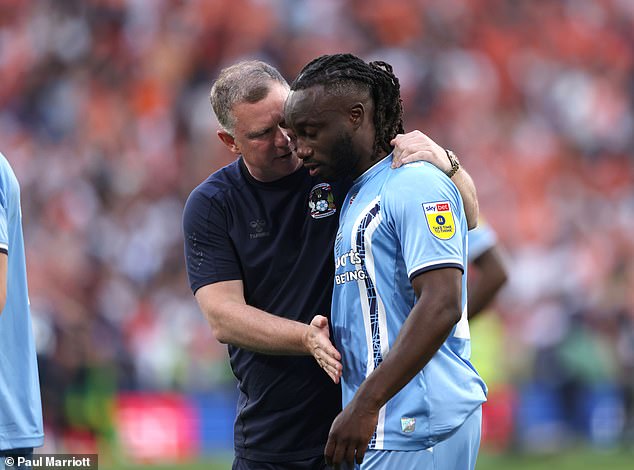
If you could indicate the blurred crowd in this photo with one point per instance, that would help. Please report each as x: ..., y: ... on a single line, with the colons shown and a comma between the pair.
x: 105, y: 117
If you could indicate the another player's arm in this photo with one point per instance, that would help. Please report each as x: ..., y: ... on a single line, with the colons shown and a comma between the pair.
x: 429, y: 323
x: 416, y: 146
x: 491, y: 276
x: 234, y: 322
x: 4, y: 261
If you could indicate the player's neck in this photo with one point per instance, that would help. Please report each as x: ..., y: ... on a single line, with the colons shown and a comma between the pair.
x: 367, y: 161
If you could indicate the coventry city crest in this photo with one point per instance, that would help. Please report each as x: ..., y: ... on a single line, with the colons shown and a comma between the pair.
x: 321, y: 201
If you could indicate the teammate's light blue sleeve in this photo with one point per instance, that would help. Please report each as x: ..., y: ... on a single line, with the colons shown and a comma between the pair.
x: 4, y: 219
x: 20, y: 403
x: 426, y: 211
x: 481, y: 239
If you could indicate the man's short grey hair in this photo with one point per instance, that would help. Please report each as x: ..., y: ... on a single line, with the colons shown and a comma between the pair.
x: 245, y: 82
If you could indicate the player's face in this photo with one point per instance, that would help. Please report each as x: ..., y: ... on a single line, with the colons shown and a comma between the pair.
x: 320, y: 131
x: 258, y: 137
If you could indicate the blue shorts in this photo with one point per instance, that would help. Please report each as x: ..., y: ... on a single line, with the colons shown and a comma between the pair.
x: 313, y: 463
x: 458, y: 452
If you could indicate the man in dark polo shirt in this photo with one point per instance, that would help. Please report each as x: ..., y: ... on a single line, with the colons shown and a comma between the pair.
x: 259, y: 237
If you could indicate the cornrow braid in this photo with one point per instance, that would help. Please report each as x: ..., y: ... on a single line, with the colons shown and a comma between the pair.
x: 337, y: 72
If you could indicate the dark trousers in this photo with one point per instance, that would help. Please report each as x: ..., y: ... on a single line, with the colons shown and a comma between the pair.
x: 313, y: 463
x: 9, y: 458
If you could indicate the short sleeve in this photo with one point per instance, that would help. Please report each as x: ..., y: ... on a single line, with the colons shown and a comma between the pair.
x: 210, y: 255
x: 4, y: 219
x: 426, y: 211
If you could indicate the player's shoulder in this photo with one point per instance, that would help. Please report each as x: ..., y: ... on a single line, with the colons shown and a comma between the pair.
x: 216, y: 190
x: 483, y: 229
x: 420, y: 177
x: 9, y: 184
x: 219, y: 183
x: 417, y: 172
x: 481, y: 239
x: 419, y: 184
x: 5, y: 168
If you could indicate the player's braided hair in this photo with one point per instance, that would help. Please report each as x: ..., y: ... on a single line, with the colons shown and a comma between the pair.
x: 337, y: 72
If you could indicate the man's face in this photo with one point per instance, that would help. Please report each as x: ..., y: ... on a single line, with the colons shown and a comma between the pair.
x: 320, y: 128
x: 258, y: 137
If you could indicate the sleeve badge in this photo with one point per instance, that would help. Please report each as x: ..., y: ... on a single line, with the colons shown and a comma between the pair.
x: 440, y: 219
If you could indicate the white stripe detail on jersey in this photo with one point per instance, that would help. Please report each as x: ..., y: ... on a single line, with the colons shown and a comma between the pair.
x: 368, y: 261
x: 365, y: 307
x: 462, y: 327
x: 434, y: 262
x: 369, y: 258
x: 383, y: 334
x: 380, y: 429
x: 5, y: 246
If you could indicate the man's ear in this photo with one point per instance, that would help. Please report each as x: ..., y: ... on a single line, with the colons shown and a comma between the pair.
x: 229, y: 141
x: 357, y: 114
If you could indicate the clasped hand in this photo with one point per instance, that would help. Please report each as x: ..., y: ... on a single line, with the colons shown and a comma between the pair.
x: 317, y: 341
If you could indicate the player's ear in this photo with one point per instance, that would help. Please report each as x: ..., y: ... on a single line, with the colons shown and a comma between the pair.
x: 357, y: 113
x: 228, y: 140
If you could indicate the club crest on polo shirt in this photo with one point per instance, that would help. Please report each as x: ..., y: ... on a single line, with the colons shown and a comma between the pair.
x: 321, y: 201
x: 440, y: 219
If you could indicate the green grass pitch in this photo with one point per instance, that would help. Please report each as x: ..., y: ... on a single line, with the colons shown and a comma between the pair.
x: 581, y: 459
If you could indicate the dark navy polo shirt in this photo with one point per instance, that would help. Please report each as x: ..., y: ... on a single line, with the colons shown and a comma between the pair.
x: 278, y: 239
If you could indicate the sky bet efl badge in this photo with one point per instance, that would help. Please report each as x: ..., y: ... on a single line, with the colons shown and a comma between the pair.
x: 440, y: 219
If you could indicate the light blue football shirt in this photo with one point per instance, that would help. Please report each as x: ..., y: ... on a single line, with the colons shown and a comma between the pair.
x: 20, y: 404
x: 481, y: 239
x: 395, y: 225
